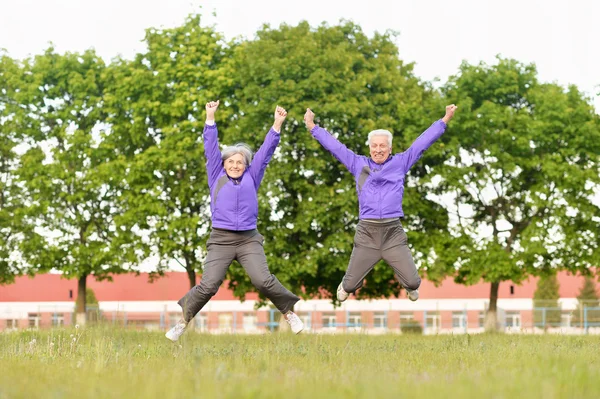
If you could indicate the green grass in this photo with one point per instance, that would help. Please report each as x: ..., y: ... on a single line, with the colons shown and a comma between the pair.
x: 113, y: 363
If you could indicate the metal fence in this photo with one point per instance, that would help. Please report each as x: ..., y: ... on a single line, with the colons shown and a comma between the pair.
x: 548, y: 319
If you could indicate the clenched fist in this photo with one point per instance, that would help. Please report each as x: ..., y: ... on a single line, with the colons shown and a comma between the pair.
x: 450, y: 109
x: 309, y: 119
x: 280, y: 114
x: 211, y: 108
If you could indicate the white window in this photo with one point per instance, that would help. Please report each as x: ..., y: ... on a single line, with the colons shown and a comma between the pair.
x: 174, y: 319
x: 58, y: 319
x: 150, y: 325
x: 433, y: 322
x: 201, y: 322
x: 408, y: 323
x: 566, y: 319
x: 354, y: 321
x: 225, y: 320
x: 512, y: 319
x: 306, y: 319
x: 481, y: 319
x: 34, y: 320
x: 12, y: 324
x: 329, y: 321
x: 459, y: 320
x: 407, y: 318
x: 380, y: 320
x: 249, y: 322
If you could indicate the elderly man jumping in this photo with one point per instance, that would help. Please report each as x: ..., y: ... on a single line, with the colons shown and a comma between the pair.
x: 380, y: 187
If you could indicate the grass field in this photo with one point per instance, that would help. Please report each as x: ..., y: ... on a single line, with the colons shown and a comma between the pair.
x: 113, y: 363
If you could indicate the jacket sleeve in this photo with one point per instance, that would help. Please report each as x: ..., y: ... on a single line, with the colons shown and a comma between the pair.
x: 337, y: 149
x: 263, y: 156
x: 422, y: 143
x: 214, y: 165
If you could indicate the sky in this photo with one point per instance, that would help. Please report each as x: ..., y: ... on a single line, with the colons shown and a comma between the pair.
x: 560, y: 37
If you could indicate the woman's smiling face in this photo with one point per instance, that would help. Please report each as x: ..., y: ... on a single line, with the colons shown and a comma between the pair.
x: 235, y: 166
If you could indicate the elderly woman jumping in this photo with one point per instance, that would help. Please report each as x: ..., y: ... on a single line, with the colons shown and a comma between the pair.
x: 234, y: 179
x: 380, y: 187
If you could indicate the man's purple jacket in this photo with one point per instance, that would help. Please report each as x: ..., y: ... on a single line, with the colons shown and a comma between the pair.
x: 380, y: 187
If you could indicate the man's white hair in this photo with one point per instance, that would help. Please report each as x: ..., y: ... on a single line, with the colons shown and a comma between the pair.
x: 381, y: 132
x: 239, y: 148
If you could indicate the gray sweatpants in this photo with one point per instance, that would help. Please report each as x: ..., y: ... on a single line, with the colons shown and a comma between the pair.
x: 225, y: 246
x: 375, y: 241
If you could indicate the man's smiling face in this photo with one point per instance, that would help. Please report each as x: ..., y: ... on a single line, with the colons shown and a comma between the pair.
x: 380, y: 149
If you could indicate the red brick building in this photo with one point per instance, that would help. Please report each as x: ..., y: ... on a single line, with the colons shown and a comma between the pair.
x: 48, y: 300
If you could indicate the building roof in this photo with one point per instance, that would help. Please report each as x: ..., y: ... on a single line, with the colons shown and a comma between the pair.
x: 123, y: 287
x: 132, y: 287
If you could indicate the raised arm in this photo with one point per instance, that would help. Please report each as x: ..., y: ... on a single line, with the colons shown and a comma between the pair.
x: 214, y: 165
x: 330, y: 143
x: 266, y: 150
x: 426, y: 139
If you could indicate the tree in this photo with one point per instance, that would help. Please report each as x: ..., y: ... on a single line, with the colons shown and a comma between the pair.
x: 92, y: 309
x: 9, y: 191
x: 523, y: 163
x: 71, y: 176
x: 17, y: 233
x: 90, y: 297
x: 546, y: 308
x: 308, y: 204
x: 155, y: 107
x: 587, y: 298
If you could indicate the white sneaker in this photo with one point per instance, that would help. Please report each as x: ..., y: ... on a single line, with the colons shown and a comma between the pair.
x: 294, y: 322
x: 177, y: 331
x: 412, y: 295
x: 341, y: 294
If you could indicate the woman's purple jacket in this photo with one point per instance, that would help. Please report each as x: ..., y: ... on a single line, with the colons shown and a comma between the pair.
x: 234, y: 203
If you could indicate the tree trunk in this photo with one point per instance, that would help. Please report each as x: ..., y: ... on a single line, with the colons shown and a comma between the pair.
x: 191, y: 276
x: 491, y: 317
x: 80, y: 304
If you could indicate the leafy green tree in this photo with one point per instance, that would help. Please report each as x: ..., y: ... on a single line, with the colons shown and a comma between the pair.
x: 72, y: 178
x: 522, y: 165
x: 308, y: 204
x: 411, y: 326
x: 9, y: 193
x: 546, y: 308
x: 587, y: 298
x: 155, y: 107
x: 17, y: 233
x: 90, y: 297
x: 92, y: 309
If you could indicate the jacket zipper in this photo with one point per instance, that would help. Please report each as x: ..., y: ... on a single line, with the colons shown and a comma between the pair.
x: 237, y: 205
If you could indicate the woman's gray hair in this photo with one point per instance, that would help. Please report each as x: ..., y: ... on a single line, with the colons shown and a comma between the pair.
x: 238, y: 148
x: 381, y: 132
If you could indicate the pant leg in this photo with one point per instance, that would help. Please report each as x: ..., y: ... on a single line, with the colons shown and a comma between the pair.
x: 251, y: 256
x: 396, y: 253
x: 218, y: 259
x: 365, y: 255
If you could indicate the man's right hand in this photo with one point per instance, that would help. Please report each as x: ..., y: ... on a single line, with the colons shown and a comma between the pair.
x: 450, y: 109
x: 309, y: 119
